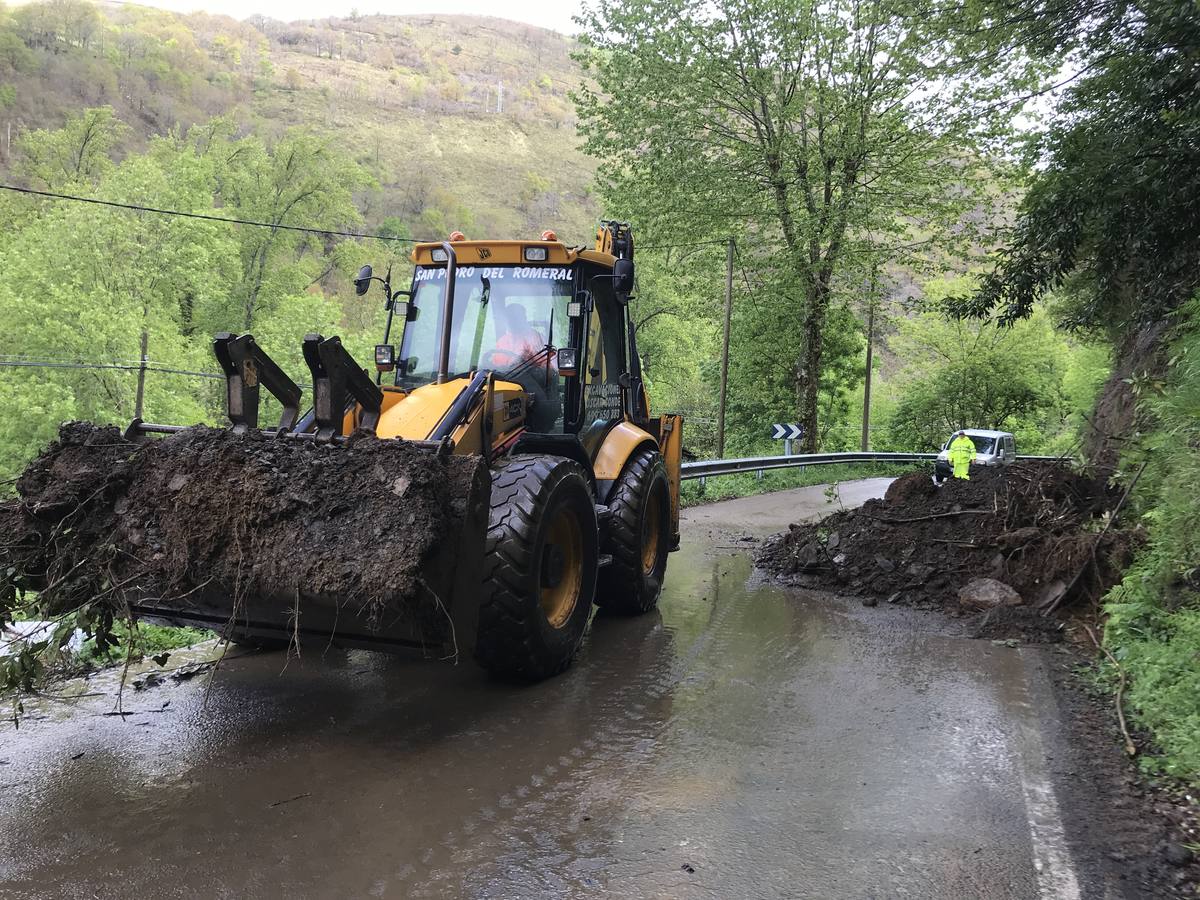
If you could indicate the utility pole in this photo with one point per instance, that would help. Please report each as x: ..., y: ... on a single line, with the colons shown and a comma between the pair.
x: 866, y: 425
x: 729, y: 248
x: 866, y: 420
x: 141, y: 382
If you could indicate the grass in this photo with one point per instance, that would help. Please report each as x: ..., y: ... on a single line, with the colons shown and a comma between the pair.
x: 148, y: 640
x: 729, y: 487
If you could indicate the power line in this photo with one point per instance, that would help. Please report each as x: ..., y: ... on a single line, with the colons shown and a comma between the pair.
x: 229, y: 220
x: 133, y: 207
x: 52, y: 364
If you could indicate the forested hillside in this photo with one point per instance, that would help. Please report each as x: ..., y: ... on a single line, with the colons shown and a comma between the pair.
x: 460, y: 122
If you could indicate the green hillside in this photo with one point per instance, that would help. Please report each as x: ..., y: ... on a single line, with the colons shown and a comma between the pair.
x: 463, y: 122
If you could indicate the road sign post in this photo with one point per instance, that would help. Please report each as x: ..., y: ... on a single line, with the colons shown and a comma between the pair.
x: 787, y: 432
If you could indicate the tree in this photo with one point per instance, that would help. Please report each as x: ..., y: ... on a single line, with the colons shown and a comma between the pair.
x: 816, y: 126
x: 1112, y: 212
x: 300, y: 181
x: 81, y: 283
x: 969, y: 373
x: 79, y: 151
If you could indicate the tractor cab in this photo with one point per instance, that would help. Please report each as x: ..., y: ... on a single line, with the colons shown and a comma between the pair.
x: 542, y: 326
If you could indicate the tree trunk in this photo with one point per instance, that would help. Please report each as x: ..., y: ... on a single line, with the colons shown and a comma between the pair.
x: 808, y: 374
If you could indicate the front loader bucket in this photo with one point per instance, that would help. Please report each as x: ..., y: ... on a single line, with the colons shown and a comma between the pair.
x: 257, y: 534
x: 372, y: 543
x: 366, y: 542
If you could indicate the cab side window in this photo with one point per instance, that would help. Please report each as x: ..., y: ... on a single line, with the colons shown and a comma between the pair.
x: 603, y: 366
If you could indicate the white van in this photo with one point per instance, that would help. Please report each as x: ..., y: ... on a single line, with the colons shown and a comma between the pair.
x: 994, y: 448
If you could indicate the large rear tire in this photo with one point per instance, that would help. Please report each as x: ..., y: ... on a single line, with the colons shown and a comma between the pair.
x: 539, y: 571
x: 638, y: 537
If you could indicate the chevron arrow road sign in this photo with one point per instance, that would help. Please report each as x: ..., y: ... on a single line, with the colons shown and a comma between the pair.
x: 788, y: 432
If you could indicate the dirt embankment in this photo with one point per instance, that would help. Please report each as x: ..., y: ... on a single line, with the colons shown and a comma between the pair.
x: 1012, y: 544
x: 104, y: 520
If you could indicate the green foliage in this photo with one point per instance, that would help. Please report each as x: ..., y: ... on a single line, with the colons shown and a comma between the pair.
x: 975, y: 374
x: 141, y: 641
x: 1112, y: 210
x: 1154, y: 614
x: 79, y: 152
x: 783, y: 120
x: 81, y: 283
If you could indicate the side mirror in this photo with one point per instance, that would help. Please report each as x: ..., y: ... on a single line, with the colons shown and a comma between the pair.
x: 362, y: 280
x: 623, y: 276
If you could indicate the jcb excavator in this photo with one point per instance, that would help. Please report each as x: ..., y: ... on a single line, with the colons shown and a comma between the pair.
x: 521, y: 353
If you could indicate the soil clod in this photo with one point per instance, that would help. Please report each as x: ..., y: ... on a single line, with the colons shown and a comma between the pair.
x: 102, y: 519
x: 1011, y: 542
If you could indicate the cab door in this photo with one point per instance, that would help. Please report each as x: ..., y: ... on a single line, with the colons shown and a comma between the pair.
x: 602, y: 366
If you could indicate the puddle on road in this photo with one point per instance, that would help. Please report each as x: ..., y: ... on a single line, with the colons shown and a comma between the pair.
x: 760, y: 741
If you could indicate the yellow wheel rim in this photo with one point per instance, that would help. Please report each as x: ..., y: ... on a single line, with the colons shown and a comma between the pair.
x: 651, y: 529
x: 562, y: 567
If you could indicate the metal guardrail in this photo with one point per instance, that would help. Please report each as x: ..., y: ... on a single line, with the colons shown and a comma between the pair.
x: 710, y: 468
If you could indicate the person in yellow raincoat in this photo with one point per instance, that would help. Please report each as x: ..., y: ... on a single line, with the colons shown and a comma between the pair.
x: 962, y: 453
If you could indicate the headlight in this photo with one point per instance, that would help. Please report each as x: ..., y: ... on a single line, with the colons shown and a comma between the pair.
x: 568, y: 362
x: 438, y: 255
x: 385, y: 357
x: 535, y: 254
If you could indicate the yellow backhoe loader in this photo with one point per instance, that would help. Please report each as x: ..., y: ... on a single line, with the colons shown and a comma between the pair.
x: 519, y: 356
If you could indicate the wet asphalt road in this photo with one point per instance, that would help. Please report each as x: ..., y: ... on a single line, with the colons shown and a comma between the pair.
x: 744, y: 741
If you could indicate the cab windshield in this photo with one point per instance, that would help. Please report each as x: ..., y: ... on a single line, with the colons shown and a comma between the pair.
x: 506, y: 318
x: 982, y: 444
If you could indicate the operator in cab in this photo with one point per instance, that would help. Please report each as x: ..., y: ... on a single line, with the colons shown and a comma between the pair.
x: 522, y: 346
x: 519, y: 342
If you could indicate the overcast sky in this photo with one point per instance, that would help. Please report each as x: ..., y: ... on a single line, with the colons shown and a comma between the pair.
x: 547, y: 13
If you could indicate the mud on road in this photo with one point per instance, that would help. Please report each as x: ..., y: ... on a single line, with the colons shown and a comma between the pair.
x: 747, y: 740
x: 1015, y: 542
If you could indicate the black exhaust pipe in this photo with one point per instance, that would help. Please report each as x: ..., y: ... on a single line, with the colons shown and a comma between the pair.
x: 443, y: 372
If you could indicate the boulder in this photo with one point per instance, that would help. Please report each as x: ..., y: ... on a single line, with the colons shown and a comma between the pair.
x: 988, y: 593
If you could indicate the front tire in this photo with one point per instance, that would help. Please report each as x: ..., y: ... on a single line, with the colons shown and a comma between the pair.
x: 539, y: 575
x: 639, y: 537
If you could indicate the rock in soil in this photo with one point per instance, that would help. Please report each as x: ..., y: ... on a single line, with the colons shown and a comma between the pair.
x: 987, y: 593
x: 1177, y: 854
x: 1028, y: 527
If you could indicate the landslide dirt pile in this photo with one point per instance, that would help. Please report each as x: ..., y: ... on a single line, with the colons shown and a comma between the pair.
x: 101, y: 519
x: 1013, y: 542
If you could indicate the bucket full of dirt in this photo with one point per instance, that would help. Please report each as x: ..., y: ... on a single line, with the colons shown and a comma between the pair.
x: 365, y: 541
x: 1026, y: 537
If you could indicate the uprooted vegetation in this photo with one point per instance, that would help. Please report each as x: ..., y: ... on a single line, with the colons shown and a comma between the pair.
x: 1016, y: 543
x: 102, y: 523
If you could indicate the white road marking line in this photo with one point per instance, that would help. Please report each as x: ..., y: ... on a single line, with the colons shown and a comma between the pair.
x: 1051, y: 857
